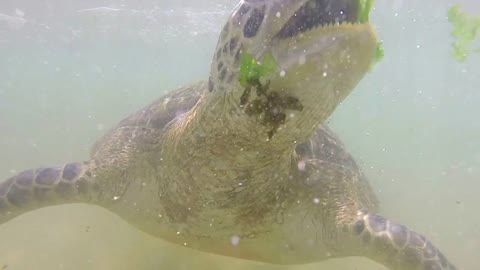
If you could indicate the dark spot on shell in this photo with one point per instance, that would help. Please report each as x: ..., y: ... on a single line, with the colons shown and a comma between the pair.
x: 233, y: 43
x: 254, y: 22
x: 366, y: 238
x: 225, y: 31
x: 243, y: 9
x: 359, y: 227
x: 42, y: 193
x: 3, y: 204
x: 230, y: 77
x: 429, y: 251
x: 47, y: 176
x: 4, y: 186
x: 210, y: 85
x: 432, y: 265
x: 225, y: 48
x: 220, y: 65
x: 218, y: 54
x: 222, y: 75
x: 72, y: 171
x: 399, y: 234
x: 25, y: 178
x: 416, y: 240
x: 64, y: 189
x: 83, y: 186
x: 18, y: 196
x: 238, y: 54
x: 443, y: 259
x: 303, y: 149
x: 88, y: 174
x: 377, y: 223
x: 412, y: 256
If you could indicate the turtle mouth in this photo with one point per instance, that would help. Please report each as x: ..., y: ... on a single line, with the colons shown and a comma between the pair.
x: 320, y: 13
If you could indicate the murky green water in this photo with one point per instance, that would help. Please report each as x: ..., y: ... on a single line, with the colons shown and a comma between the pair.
x: 68, y: 75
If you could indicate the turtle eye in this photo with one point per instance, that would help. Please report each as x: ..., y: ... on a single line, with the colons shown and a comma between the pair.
x: 254, y: 22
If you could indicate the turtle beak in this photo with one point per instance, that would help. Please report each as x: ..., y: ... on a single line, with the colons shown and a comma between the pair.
x: 319, y: 13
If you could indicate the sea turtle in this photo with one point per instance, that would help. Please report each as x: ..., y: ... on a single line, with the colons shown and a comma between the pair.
x: 242, y: 165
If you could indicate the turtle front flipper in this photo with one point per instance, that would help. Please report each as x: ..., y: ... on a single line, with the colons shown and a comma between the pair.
x: 36, y: 188
x: 396, y: 246
x: 333, y: 190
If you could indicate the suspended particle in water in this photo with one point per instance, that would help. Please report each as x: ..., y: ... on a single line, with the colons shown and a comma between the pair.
x: 302, y: 59
x: 235, y: 240
x: 301, y: 165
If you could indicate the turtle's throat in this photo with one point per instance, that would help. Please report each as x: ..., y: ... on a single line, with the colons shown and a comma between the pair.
x: 225, y: 131
x: 206, y: 161
x: 224, y: 141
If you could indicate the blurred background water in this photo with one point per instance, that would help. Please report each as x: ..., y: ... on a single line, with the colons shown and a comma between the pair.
x: 69, y: 70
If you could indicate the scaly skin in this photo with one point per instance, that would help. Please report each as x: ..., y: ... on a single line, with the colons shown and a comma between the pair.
x: 209, y: 163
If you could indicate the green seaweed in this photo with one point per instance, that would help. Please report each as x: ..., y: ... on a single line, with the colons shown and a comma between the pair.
x: 465, y: 31
x: 379, y: 55
x: 379, y: 52
x: 365, y: 6
x: 252, y: 70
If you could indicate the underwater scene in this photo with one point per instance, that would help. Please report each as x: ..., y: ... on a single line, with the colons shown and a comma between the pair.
x: 71, y: 70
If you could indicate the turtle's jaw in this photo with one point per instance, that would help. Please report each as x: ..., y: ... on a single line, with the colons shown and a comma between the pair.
x: 321, y: 49
x: 319, y: 67
x: 319, y: 13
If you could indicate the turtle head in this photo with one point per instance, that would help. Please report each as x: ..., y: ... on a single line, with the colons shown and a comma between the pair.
x: 289, y: 63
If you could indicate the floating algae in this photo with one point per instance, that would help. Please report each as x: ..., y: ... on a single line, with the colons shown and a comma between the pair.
x: 364, y: 10
x: 465, y: 31
x: 251, y: 70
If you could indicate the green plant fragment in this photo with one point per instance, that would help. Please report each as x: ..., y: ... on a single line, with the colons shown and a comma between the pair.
x: 466, y: 29
x: 365, y: 6
x: 252, y: 70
